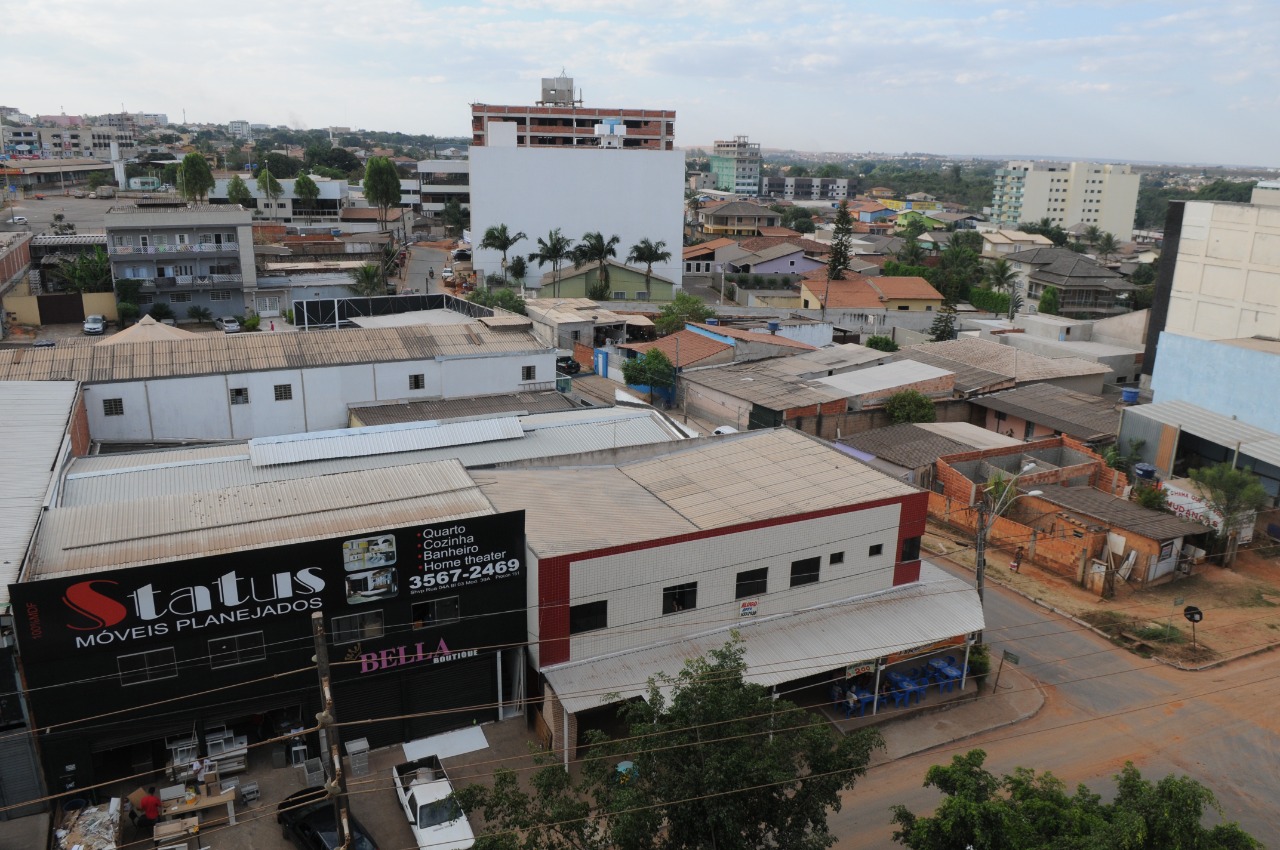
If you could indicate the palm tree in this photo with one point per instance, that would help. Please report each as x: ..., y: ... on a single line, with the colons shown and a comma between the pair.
x: 594, y: 248
x: 911, y: 254
x: 1015, y: 304
x: 648, y: 253
x: 555, y: 249
x: 693, y: 203
x: 497, y: 238
x: 1107, y: 245
x: 367, y: 281
x: 1091, y: 234
x: 270, y: 188
x: 1000, y: 275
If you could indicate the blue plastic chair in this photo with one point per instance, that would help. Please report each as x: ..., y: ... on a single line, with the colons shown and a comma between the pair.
x: 918, y: 689
x: 951, y: 661
x: 837, y: 695
x: 901, y: 697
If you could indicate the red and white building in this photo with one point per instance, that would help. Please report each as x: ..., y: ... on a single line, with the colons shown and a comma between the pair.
x: 812, y: 556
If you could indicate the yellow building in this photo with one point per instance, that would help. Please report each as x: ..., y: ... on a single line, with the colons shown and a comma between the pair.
x: 855, y: 292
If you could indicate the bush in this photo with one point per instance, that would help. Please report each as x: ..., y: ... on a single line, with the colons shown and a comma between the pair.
x: 160, y: 311
x: 910, y: 406
x: 199, y: 314
x: 288, y: 316
x: 990, y: 300
x: 128, y: 312
x: 252, y: 323
x: 731, y: 292
x: 757, y: 281
x: 882, y: 343
x: 979, y: 660
x: 1150, y: 497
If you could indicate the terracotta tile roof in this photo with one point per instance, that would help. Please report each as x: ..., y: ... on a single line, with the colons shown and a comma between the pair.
x: 858, y: 292
x: 778, y: 231
x: 686, y: 348
x: 809, y: 246
x: 706, y: 247
x: 754, y: 336
x: 369, y: 214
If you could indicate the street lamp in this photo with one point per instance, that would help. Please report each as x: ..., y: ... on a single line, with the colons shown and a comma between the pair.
x: 986, y: 516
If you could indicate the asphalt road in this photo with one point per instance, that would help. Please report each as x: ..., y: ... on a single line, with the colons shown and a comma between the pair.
x: 1104, y: 706
x: 84, y: 213
x: 421, y: 260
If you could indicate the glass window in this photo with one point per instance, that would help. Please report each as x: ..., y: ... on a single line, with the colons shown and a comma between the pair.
x: 874, y: 550
x: 284, y: 392
x: 232, y: 650
x: 805, y: 571
x: 680, y: 597
x: 239, y: 395
x: 588, y: 617
x: 350, y: 628
x: 148, y: 666
x: 911, y: 549
x: 836, y: 558
x: 752, y: 583
x: 417, y: 382
x: 435, y: 612
x: 113, y: 407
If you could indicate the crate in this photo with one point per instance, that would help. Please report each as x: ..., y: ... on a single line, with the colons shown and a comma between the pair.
x: 358, y: 753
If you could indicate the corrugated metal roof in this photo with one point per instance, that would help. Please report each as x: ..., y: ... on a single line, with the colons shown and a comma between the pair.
x: 906, y: 445
x: 759, y: 383
x: 114, y: 534
x: 1255, y: 442
x: 457, y: 408
x: 880, y: 378
x: 1121, y: 513
x: 969, y: 378
x: 32, y: 431
x: 209, y: 354
x: 380, y: 440
x: 973, y: 436
x: 843, y: 356
x: 789, y: 646
x: 1080, y: 415
x: 109, y: 478
x: 1023, y: 365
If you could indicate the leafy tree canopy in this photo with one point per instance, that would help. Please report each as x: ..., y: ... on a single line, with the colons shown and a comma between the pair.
x: 381, y: 186
x: 367, y: 281
x: 238, y: 191
x: 653, y: 368
x: 194, y: 177
x: 1233, y: 493
x: 882, y: 343
x: 1026, y: 811
x: 498, y: 297
x: 684, y: 308
x: 1049, y: 301
x: 716, y: 763
x: 910, y: 406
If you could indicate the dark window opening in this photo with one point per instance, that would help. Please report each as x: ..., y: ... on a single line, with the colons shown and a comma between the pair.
x: 681, y: 597
x: 911, y: 549
x: 588, y: 617
x: 435, y: 612
x: 836, y: 558
x: 874, y: 550
x: 752, y: 583
x: 805, y: 571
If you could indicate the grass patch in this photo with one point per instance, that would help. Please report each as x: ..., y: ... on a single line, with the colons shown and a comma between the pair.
x: 1254, y: 597
x: 1107, y: 621
x: 1161, y: 633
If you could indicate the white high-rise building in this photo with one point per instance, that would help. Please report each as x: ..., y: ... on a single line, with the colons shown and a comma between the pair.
x: 735, y: 163
x: 1067, y: 193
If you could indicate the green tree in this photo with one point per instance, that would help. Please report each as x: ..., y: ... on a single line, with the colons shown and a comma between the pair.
x: 959, y: 269
x: 913, y: 228
x: 651, y: 369
x: 518, y: 269
x: 381, y: 186
x: 944, y: 324
x: 501, y: 297
x: 841, y: 243
x: 1000, y: 275
x: 1234, y: 494
x: 198, y: 314
x: 455, y: 217
x: 553, y: 251
x: 194, y: 177
x: 160, y: 311
x: 89, y: 272
x: 367, y: 281
x: 681, y: 310
x: 1092, y: 234
x: 97, y: 179
x: 282, y: 166
x: 238, y: 192
x: 1106, y: 246
x: 911, y: 254
x: 692, y: 203
x: 62, y: 227
x: 498, y: 238
x: 595, y: 248
x: 1026, y: 811
x: 882, y: 343
x: 1144, y: 275
x: 910, y: 406
x: 306, y: 190
x: 647, y: 252
x: 1049, y: 301
x: 270, y: 188
x: 718, y: 763
x: 1150, y: 497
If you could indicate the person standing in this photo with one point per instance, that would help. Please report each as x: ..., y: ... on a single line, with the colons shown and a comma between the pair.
x: 200, y: 769
x: 1016, y: 563
x: 150, y: 806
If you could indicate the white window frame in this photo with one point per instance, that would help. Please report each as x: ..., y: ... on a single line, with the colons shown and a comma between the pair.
x: 151, y: 674
x: 247, y: 653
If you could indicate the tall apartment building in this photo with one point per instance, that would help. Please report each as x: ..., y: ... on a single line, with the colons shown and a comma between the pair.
x: 560, y: 120
x: 807, y: 188
x: 185, y: 256
x: 1224, y: 282
x: 66, y: 142
x: 1066, y: 193
x: 735, y: 164
x: 239, y: 129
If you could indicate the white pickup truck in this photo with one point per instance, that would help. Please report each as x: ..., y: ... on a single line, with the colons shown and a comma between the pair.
x: 437, y: 821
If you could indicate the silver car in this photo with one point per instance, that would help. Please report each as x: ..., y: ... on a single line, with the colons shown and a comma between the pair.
x: 94, y: 325
x: 227, y: 324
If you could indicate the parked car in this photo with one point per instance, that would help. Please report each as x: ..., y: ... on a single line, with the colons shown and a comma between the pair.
x: 227, y: 324
x: 307, y: 819
x: 446, y: 272
x: 95, y: 324
x: 93, y: 196
x: 18, y: 219
x: 44, y: 343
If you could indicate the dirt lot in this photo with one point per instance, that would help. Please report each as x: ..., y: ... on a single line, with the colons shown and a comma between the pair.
x: 1241, y: 605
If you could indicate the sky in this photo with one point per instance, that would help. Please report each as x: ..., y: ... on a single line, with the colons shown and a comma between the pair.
x: 1115, y: 81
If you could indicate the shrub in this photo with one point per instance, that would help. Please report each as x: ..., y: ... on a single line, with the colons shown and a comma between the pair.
x: 161, y: 311
x: 990, y: 300
x: 757, y: 280
x: 128, y: 312
x: 252, y: 323
x: 882, y: 343
x: 910, y: 406
x: 199, y: 314
x: 1150, y: 497
x: 731, y: 292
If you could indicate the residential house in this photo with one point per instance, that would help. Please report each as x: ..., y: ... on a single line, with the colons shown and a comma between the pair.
x: 872, y: 386
x: 1002, y: 243
x: 567, y: 323
x: 1033, y: 411
x: 709, y: 258
x: 785, y: 258
x: 856, y: 292
x: 750, y: 344
x: 881, y: 192
x: 869, y: 211
x: 907, y: 216
x: 908, y: 452
x: 1007, y: 362
x: 1057, y: 336
x: 685, y: 349
x: 736, y: 218
x: 960, y: 220
x: 626, y: 283
x: 1084, y: 285
x: 186, y: 256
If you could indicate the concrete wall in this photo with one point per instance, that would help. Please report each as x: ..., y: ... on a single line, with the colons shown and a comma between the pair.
x: 1226, y: 379
x: 200, y: 408
x: 634, y: 194
x: 26, y: 308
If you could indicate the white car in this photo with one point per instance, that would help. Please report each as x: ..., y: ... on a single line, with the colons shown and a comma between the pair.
x: 19, y: 219
x: 227, y: 324
x: 94, y: 325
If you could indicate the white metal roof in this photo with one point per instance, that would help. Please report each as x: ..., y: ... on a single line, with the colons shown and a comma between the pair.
x: 32, y: 431
x: 114, y: 534
x: 379, y: 440
x: 788, y: 646
x: 1255, y: 442
x: 103, y: 479
x: 973, y: 435
x: 880, y: 378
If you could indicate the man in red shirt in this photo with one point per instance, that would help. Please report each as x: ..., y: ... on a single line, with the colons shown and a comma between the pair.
x: 150, y: 806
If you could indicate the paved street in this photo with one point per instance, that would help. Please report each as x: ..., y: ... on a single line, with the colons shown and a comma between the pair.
x: 86, y: 214
x: 1104, y: 706
x: 422, y: 260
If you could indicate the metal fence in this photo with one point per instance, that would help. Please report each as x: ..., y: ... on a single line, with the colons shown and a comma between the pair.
x: 338, y: 312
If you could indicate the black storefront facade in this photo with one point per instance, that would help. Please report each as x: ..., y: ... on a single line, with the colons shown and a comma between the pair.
x: 426, y: 624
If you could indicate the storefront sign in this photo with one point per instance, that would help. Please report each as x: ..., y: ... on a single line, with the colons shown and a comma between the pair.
x: 748, y: 607
x: 927, y: 648
x: 859, y: 668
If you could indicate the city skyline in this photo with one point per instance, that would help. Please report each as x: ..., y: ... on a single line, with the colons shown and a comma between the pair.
x: 1079, y: 79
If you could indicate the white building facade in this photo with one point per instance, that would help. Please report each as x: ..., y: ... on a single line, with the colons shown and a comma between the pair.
x: 1066, y: 193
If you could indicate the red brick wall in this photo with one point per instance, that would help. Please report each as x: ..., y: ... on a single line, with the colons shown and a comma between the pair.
x: 79, y: 427
x: 585, y: 357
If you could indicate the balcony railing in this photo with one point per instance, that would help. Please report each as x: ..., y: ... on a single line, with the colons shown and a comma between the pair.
x: 210, y: 248
x: 188, y: 280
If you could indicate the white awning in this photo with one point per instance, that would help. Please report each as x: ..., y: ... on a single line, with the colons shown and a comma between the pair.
x: 791, y: 646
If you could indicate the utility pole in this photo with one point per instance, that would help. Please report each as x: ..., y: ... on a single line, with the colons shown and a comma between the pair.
x: 329, y: 736
x: 980, y: 558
